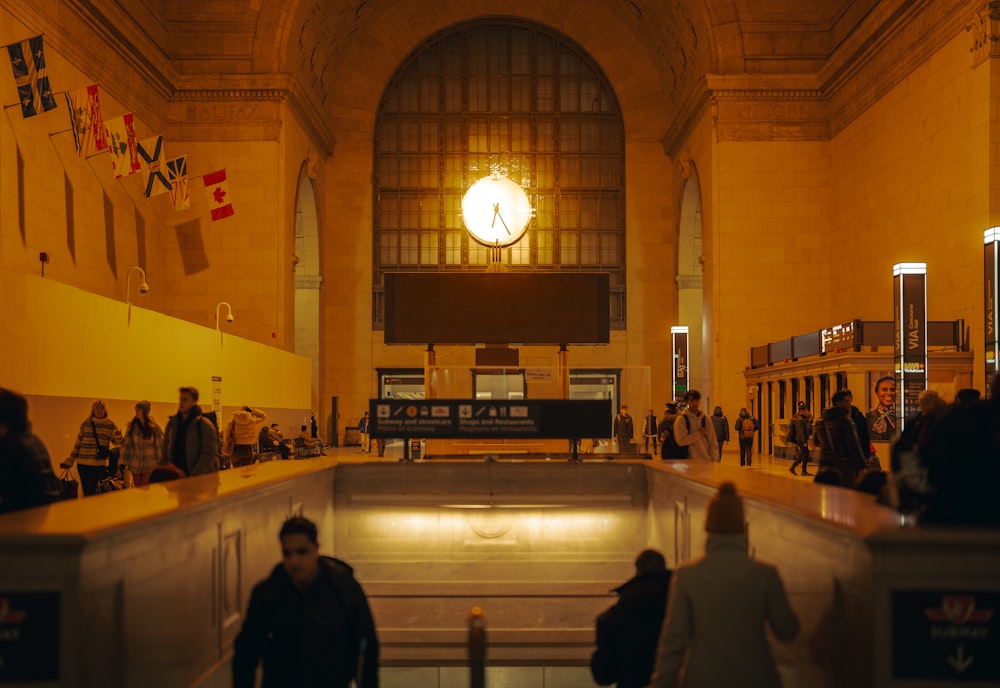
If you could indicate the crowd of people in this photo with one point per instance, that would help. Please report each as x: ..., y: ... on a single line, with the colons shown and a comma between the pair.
x: 108, y: 457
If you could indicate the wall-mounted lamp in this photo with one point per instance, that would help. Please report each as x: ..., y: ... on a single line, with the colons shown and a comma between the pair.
x: 229, y: 317
x: 143, y: 287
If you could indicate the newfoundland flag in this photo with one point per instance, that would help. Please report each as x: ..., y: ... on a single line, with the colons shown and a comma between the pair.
x: 218, y: 195
x: 27, y: 59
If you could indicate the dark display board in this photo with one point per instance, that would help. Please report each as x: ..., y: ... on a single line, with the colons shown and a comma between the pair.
x: 463, y: 418
x: 29, y: 637
x: 946, y: 635
x: 497, y: 308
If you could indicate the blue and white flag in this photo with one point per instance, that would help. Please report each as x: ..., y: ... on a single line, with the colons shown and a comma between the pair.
x: 27, y: 59
x: 177, y: 170
x: 151, y: 157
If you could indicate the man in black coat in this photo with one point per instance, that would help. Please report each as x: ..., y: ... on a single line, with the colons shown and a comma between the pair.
x: 628, y: 632
x: 309, y: 621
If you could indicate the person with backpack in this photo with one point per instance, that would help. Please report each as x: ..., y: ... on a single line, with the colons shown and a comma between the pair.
x: 669, y: 449
x: 746, y: 426
x: 799, y: 432
x: 693, y: 431
x: 837, y: 435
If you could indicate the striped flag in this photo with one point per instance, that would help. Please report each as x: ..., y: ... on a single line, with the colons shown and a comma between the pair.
x: 151, y: 156
x: 85, y: 119
x: 27, y: 59
x: 218, y: 195
x: 121, y: 143
x: 177, y: 171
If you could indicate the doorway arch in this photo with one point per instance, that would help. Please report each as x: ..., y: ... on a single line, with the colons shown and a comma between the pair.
x: 690, y: 269
x: 308, y: 279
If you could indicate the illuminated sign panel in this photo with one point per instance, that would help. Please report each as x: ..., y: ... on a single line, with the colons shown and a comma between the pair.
x: 910, y: 339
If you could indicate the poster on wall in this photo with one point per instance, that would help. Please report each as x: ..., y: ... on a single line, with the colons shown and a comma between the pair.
x: 217, y: 395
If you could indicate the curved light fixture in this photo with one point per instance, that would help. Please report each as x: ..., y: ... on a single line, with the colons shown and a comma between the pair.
x: 229, y: 317
x: 143, y: 286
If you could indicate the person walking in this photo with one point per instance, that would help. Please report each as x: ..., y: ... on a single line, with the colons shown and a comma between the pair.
x: 142, y: 444
x: 366, y: 438
x: 92, y: 449
x: 721, y: 425
x: 628, y: 632
x: 719, y: 605
x: 746, y: 427
x: 799, y: 432
x: 26, y: 477
x: 838, y: 438
x: 649, y: 431
x: 190, y: 441
x: 623, y: 431
x: 692, y: 429
x: 309, y: 621
x: 669, y: 449
x: 242, y: 434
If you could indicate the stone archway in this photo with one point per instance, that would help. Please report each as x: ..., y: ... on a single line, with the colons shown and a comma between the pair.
x: 690, y: 268
x: 308, y: 279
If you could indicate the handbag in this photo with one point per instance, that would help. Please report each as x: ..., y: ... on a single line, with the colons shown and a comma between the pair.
x: 68, y: 485
x: 103, y: 453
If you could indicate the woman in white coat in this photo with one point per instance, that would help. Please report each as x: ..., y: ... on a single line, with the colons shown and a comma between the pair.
x: 713, y: 635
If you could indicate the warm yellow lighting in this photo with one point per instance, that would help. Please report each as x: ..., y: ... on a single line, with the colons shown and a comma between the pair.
x: 496, y: 211
x: 909, y: 269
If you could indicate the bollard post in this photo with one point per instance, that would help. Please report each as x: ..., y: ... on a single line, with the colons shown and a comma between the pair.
x: 477, y: 648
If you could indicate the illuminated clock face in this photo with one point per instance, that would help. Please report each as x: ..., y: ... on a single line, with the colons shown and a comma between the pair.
x: 496, y: 211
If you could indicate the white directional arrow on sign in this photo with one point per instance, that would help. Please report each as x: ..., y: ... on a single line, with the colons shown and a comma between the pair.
x: 959, y: 662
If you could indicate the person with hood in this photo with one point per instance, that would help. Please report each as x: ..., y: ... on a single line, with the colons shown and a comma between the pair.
x: 692, y: 429
x: 719, y: 605
x: 746, y: 426
x: 26, y: 477
x: 241, y: 435
x: 309, y: 621
x: 799, y: 432
x: 190, y: 441
x: 92, y: 450
x: 142, y: 444
x: 627, y: 633
x: 721, y: 425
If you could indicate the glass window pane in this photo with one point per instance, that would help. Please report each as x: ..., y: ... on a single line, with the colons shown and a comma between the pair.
x: 478, y: 94
x: 590, y: 172
x: 610, y: 254
x: 429, y: 136
x: 453, y: 248
x: 569, y: 171
x: 569, y: 248
x: 429, y: 94
x: 388, y: 211
x: 590, y: 215
x: 590, y: 248
x: 409, y: 137
x: 569, y: 95
x: 388, y: 248
x: 429, y: 248
x: 453, y: 94
x: 409, y: 95
x: 520, y: 253
x: 546, y: 88
x: 430, y: 212
x: 409, y: 248
x: 543, y: 240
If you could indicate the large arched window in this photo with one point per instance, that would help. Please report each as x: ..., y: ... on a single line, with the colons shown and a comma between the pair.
x: 500, y: 95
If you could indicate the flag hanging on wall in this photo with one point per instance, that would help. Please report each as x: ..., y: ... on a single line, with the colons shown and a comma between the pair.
x: 218, y: 195
x: 177, y: 171
x: 122, y: 144
x: 27, y: 59
x: 85, y: 119
x: 151, y: 156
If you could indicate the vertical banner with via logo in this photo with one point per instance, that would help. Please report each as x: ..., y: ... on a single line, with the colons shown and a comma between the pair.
x: 991, y: 301
x: 910, y: 315
x: 679, y: 345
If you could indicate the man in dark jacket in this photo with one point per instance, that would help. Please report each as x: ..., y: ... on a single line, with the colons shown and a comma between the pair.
x: 190, y: 441
x: 628, y: 632
x: 838, y: 436
x: 309, y: 621
x: 26, y: 477
x: 799, y: 432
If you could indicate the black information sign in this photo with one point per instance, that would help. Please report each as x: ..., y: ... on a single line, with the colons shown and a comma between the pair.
x: 462, y: 418
x: 29, y: 636
x: 946, y: 635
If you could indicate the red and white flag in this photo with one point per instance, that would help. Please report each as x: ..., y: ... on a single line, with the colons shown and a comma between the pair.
x: 85, y: 120
x: 218, y: 195
x: 121, y: 143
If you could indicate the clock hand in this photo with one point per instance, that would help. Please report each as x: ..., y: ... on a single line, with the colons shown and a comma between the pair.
x: 496, y: 211
x: 504, y: 223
